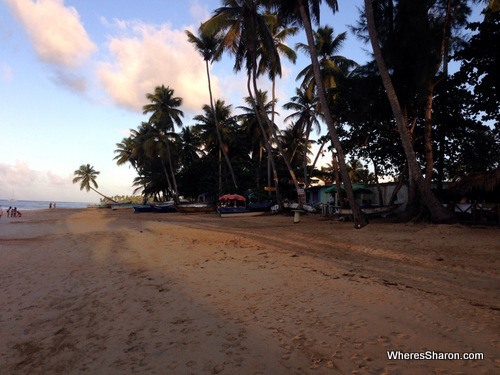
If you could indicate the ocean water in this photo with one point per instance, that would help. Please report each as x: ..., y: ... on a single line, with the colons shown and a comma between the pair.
x: 23, y: 205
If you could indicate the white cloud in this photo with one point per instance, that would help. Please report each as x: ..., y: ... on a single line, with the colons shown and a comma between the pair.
x: 55, y: 30
x: 21, y: 174
x: 148, y: 56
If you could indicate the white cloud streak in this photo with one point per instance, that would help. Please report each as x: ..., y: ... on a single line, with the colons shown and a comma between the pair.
x: 55, y: 30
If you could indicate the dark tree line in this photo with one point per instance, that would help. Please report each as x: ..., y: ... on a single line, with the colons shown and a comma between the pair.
x: 403, y: 112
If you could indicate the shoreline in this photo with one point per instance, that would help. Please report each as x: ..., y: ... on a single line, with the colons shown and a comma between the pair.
x: 103, y: 291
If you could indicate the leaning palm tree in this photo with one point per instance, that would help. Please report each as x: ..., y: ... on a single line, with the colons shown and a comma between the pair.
x: 206, y: 44
x: 301, y: 12
x: 165, y: 113
x: 86, y: 175
x: 438, y: 212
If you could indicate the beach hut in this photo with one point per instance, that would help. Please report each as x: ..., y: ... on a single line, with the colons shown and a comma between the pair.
x: 479, y: 195
x: 480, y: 185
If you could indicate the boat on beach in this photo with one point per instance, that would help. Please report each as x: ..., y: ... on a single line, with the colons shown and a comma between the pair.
x: 121, y: 206
x: 143, y: 208
x: 260, y: 206
x: 234, y: 205
x: 371, y: 211
x: 190, y: 208
x: 164, y: 207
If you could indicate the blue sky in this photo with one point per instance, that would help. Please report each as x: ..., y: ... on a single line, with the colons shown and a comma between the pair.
x: 73, y: 78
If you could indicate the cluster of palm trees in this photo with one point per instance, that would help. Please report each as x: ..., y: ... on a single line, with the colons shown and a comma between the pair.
x: 254, y: 33
x: 226, y: 152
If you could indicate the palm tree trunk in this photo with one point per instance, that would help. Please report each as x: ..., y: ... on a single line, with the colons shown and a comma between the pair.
x: 336, y: 175
x: 317, y: 156
x: 429, y: 157
x: 304, y: 155
x: 260, y: 105
x: 379, y: 189
x: 169, y: 183
x: 172, y: 174
x: 220, y: 172
x: 438, y: 212
x: 217, y: 129
x: 102, y: 195
x: 267, y: 143
x: 359, y: 218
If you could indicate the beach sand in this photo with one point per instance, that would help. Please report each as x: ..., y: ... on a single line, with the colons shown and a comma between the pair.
x: 113, y: 292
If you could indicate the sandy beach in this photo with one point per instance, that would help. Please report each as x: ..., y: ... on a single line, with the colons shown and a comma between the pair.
x: 113, y: 292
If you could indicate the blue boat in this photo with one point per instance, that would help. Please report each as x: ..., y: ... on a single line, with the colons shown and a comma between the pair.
x: 234, y: 205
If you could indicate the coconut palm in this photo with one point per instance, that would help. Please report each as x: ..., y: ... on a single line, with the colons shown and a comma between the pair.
x: 437, y: 211
x: 280, y: 32
x: 253, y: 130
x: 302, y: 12
x: 213, y: 133
x: 86, y: 175
x: 165, y: 113
x: 305, y: 110
x: 207, y: 44
x: 334, y: 67
x: 150, y: 150
x: 295, y: 145
x: 190, y: 146
x: 125, y: 150
x: 246, y: 35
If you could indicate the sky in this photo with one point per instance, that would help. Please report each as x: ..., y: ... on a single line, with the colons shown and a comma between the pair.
x: 74, y: 75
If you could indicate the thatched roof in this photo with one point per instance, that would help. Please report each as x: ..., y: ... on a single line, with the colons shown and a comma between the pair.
x: 479, y: 181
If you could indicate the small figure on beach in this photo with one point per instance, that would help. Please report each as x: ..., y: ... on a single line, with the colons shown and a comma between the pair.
x: 9, y: 210
x: 50, y: 205
x: 1, y: 212
x: 15, y: 213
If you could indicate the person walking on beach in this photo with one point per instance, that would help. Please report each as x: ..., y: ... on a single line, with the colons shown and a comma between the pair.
x: 1, y: 212
x: 9, y: 210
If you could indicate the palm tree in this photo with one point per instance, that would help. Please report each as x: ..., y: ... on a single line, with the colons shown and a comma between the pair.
x: 253, y: 131
x: 247, y: 36
x: 164, y: 115
x: 334, y: 67
x: 212, y: 132
x: 124, y: 151
x: 305, y: 107
x: 86, y: 175
x: 295, y: 145
x: 279, y: 33
x: 438, y: 212
x: 190, y: 145
x: 302, y: 12
x: 206, y: 45
x: 148, y: 148
x: 357, y: 171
